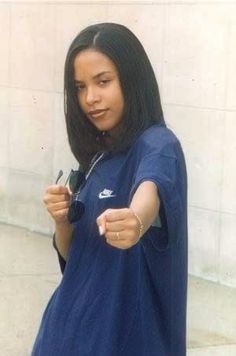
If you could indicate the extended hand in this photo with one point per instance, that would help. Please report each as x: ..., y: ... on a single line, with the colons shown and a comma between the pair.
x: 121, y: 227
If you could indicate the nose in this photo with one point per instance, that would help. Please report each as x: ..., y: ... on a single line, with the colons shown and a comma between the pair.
x: 92, y: 96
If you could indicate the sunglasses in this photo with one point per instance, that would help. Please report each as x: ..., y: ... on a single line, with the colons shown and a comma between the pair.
x: 75, y: 180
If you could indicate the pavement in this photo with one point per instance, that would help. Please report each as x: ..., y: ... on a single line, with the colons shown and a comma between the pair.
x: 29, y: 273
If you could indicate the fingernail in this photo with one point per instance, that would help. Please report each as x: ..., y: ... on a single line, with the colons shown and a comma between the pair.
x: 101, y: 230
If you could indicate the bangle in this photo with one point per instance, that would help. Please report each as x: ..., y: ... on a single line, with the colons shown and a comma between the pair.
x: 140, y: 224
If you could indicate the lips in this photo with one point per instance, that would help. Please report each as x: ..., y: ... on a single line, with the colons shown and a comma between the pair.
x: 97, y: 113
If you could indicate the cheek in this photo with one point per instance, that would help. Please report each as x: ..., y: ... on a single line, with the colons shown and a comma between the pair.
x: 81, y: 102
x: 119, y: 101
x: 121, y: 105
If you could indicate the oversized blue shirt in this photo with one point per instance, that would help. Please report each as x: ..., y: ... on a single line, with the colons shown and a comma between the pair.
x: 132, y: 302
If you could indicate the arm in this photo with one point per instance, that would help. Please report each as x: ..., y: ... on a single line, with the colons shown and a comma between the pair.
x: 63, y: 235
x: 121, y: 227
x: 146, y: 203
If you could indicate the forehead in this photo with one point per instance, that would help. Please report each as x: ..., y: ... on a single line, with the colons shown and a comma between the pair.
x: 89, y: 63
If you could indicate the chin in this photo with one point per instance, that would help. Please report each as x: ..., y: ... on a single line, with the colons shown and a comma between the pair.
x: 104, y: 127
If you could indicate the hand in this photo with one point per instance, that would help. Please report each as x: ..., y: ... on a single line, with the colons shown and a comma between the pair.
x: 57, y: 201
x: 120, y: 227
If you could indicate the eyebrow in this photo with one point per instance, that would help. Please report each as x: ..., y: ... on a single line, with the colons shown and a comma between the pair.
x: 95, y: 76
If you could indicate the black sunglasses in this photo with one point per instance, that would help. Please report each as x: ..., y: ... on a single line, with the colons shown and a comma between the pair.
x: 75, y: 179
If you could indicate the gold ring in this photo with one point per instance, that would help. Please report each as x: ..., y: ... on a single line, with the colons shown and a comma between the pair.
x: 117, y: 236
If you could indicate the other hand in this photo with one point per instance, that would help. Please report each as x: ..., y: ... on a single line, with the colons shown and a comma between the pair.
x: 57, y: 201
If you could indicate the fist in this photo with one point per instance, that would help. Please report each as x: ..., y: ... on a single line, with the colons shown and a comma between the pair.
x: 120, y: 227
x: 57, y: 202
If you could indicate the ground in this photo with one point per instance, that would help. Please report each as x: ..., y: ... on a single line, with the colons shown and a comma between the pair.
x: 29, y: 273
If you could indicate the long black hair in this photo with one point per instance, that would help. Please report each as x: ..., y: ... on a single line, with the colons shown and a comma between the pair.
x: 142, y: 105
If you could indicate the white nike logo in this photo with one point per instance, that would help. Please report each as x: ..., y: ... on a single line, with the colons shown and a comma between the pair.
x: 106, y: 193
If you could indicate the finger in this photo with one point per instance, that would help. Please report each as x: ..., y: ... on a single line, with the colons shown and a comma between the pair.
x: 101, y: 223
x: 56, y: 198
x: 102, y: 220
x: 60, y: 215
x: 122, y: 219
x: 115, y: 236
x: 117, y: 214
x: 58, y: 206
x: 57, y: 189
x: 101, y: 216
x: 128, y: 236
x: 115, y: 226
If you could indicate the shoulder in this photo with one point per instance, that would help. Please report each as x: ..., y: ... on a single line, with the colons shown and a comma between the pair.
x: 159, y: 140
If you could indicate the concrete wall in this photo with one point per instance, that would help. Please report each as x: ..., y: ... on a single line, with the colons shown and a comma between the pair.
x: 192, y: 47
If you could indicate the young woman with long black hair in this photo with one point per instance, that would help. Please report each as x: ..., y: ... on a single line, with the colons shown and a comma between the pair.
x: 121, y: 237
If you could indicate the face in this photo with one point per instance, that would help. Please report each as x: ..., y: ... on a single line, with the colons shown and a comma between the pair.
x: 99, y: 90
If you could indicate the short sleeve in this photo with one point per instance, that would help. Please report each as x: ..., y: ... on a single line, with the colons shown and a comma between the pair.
x: 168, y: 172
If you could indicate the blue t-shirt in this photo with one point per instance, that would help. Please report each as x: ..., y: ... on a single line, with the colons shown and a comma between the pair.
x: 132, y: 302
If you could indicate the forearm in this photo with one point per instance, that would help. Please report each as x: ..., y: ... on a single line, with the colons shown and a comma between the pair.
x: 146, y: 203
x: 63, y: 236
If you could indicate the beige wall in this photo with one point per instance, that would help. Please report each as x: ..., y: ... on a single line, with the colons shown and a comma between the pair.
x: 192, y: 47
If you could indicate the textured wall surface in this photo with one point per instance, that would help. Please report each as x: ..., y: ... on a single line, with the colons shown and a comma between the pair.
x: 191, y: 45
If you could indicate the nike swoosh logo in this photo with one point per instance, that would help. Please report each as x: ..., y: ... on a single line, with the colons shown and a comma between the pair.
x: 104, y: 196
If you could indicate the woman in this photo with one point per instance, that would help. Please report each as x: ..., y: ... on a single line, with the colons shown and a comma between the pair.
x: 124, y: 257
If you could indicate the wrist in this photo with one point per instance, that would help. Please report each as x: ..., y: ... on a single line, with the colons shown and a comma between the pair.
x: 62, y: 224
x: 63, y: 228
x: 62, y: 238
x: 140, y: 224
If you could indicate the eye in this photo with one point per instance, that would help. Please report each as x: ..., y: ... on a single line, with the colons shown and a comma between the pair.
x: 104, y: 82
x: 79, y: 87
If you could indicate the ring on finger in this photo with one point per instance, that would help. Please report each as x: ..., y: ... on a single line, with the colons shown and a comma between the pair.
x: 117, y: 236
